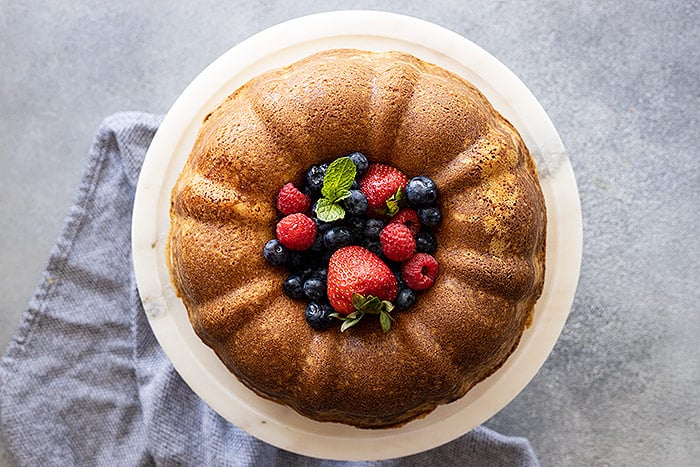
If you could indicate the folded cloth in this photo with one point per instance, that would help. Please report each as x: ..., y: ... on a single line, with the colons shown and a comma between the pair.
x: 84, y: 381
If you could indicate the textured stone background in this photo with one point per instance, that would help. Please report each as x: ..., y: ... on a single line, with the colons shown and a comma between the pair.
x: 619, y: 80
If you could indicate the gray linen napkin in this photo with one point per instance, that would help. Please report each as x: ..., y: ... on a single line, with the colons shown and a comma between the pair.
x: 84, y: 382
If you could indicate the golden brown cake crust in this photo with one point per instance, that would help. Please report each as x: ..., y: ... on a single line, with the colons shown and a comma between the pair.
x: 398, y: 110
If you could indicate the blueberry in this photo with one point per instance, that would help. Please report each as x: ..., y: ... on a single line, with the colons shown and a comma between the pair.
x: 318, y: 315
x: 356, y: 226
x: 395, y: 266
x: 356, y: 203
x: 405, y: 299
x: 360, y: 161
x: 314, y: 178
x: 295, y: 260
x: 355, y: 185
x: 429, y: 216
x: 421, y: 191
x: 301, y: 263
x: 306, y: 190
x: 306, y: 272
x: 373, y: 227
x: 317, y: 245
x: 374, y: 246
x: 399, y: 280
x: 326, y: 256
x: 337, y: 237
x: 293, y: 286
x: 425, y: 242
x: 275, y: 253
x: 315, y: 288
x: 321, y: 274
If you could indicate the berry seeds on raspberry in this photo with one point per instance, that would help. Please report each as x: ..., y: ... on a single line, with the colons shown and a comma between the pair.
x: 397, y: 242
x: 420, y: 271
x: 290, y: 200
x: 353, y: 242
x: 409, y: 218
x: 296, y: 232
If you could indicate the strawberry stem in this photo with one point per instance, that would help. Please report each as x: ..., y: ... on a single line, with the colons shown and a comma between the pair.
x: 367, y: 305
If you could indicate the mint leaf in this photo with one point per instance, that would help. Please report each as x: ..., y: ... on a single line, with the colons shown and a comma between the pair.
x: 342, y: 194
x: 338, y: 179
x: 328, y: 211
x: 336, y: 187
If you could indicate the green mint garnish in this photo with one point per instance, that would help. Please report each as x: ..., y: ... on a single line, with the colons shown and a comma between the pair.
x: 336, y: 187
x: 367, y: 305
x: 328, y: 211
x: 338, y: 179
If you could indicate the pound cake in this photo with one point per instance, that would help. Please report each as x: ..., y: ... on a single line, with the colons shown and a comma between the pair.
x: 355, y: 183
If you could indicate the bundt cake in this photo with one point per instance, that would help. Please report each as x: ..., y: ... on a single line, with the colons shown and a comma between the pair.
x: 400, y: 111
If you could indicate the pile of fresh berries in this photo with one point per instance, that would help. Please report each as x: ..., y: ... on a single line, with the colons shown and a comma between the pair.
x: 356, y: 239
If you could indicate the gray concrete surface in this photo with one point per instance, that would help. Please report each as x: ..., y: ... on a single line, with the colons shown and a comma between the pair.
x: 620, y: 81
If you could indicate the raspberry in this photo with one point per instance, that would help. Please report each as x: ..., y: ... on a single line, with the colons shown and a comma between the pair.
x: 420, y: 271
x: 409, y: 218
x: 296, y: 232
x: 367, y: 251
x: 397, y: 242
x: 290, y: 200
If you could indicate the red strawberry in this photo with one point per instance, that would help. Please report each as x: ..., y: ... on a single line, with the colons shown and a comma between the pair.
x: 409, y: 218
x: 296, y: 232
x: 397, y: 242
x: 420, y: 271
x: 290, y: 200
x: 380, y: 183
x: 356, y: 270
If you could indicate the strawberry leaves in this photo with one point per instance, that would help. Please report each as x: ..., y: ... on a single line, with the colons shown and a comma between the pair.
x: 393, y: 202
x: 336, y: 187
x: 367, y: 305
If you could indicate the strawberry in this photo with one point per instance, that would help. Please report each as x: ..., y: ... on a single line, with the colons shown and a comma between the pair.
x: 409, y: 218
x: 354, y: 270
x: 397, y: 242
x: 296, y: 232
x: 383, y: 185
x: 290, y: 200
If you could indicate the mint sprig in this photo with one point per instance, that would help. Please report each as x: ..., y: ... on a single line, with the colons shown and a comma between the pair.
x: 336, y: 187
x: 328, y: 211
x: 367, y: 305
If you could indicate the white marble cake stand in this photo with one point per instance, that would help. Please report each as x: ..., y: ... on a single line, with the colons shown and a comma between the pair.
x: 281, y: 45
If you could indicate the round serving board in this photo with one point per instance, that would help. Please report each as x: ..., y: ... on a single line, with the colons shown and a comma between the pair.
x: 281, y: 45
